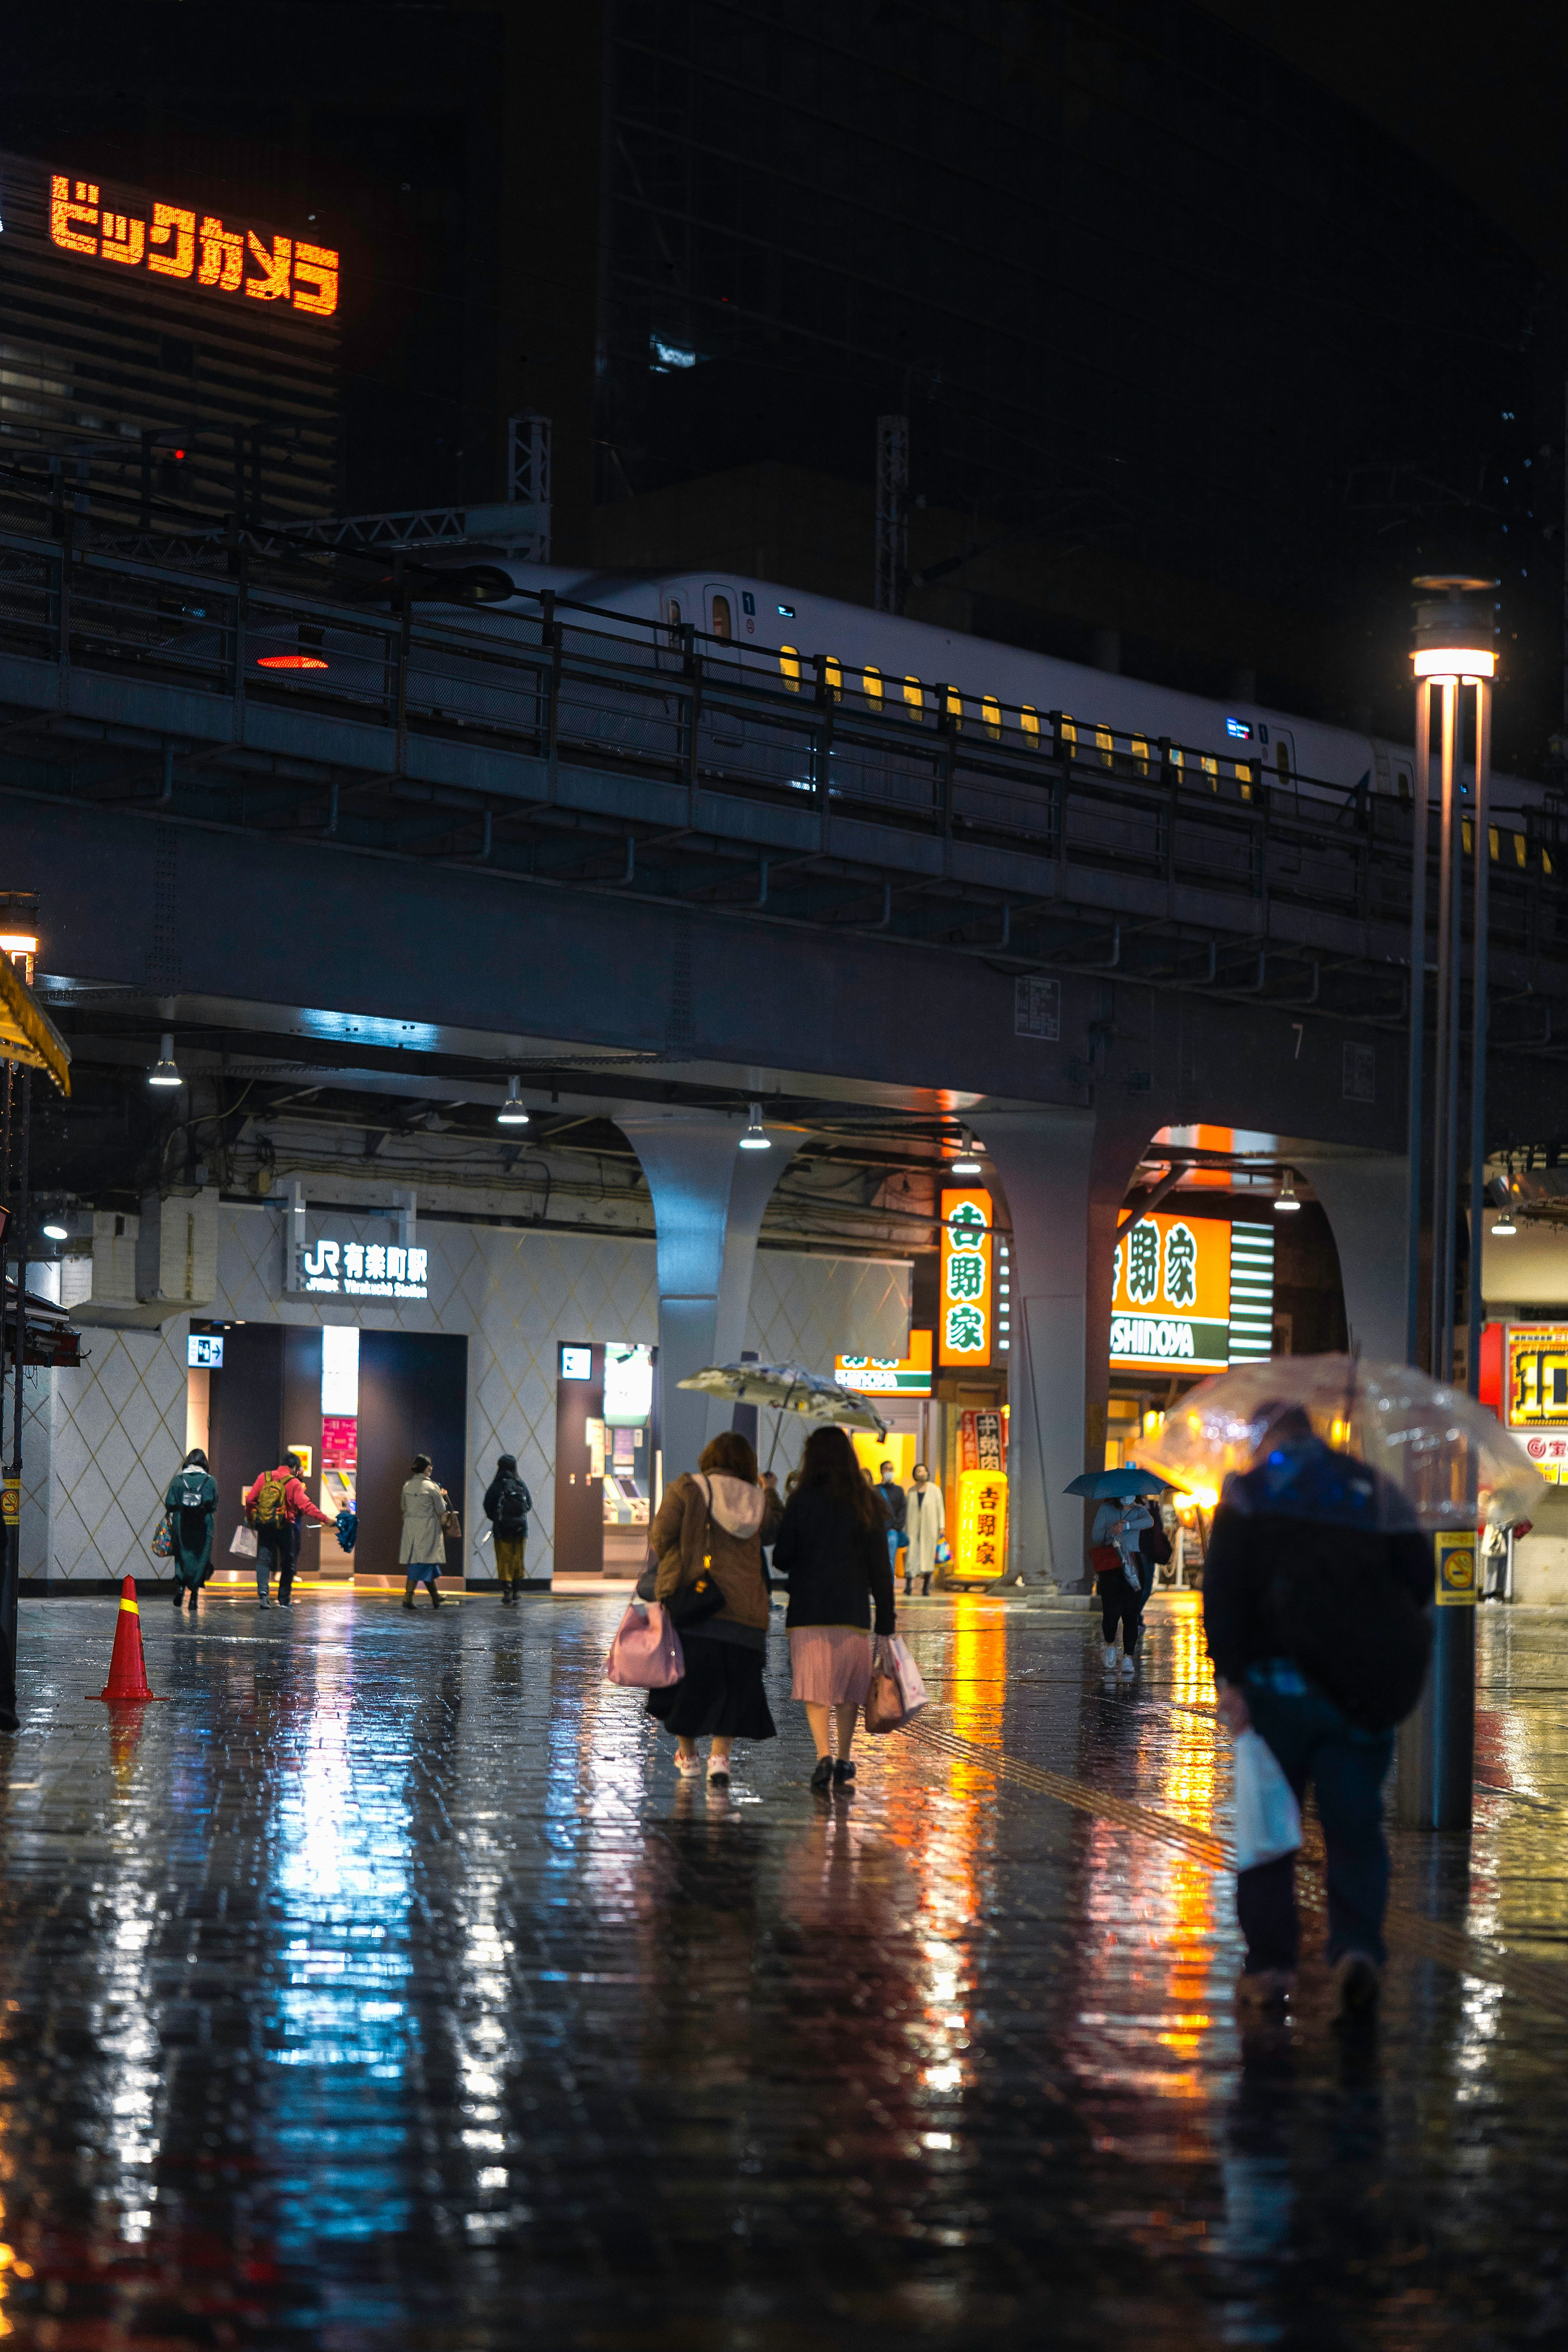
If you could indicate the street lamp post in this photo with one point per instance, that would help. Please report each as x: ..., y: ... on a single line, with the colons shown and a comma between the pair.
x: 1454, y: 651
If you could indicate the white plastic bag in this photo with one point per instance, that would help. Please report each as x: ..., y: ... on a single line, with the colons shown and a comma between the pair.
x: 243, y: 1542
x: 1267, y: 1818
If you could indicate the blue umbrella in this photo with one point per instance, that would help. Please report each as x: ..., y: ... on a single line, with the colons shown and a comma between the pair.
x: 1118, y: 1486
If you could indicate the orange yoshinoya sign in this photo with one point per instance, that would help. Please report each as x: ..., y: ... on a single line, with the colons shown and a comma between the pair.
x: 177, y: 243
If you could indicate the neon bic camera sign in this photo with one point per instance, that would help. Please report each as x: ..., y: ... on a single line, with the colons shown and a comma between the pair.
x: 175, y: 243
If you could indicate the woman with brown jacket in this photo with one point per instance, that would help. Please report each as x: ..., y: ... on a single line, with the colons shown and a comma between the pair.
x: 721, y: 1518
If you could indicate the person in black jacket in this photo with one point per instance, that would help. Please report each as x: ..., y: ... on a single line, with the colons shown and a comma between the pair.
x: 832, y: 1551
x: 1316, y: 1588
x: 507, y: 1504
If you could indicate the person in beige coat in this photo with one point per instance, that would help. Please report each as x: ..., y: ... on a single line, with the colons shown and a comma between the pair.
x: 926, y: 1526
x: 721, y: 1517
x: 422, y: 1552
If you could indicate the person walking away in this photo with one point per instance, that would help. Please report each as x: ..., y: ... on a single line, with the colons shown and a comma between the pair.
x: 1317, y: 1588
x: 274, y: 1506
x: 422, y: 1552
x: 718, y: 1518
x: 832, y: 1550
x: 507, y: 1504
x: 191, y: 1504
x: 1118, y: 1528
x: 925, y: 1523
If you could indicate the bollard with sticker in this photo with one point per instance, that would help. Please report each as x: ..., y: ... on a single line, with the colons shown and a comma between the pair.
x: 1458, y: 1558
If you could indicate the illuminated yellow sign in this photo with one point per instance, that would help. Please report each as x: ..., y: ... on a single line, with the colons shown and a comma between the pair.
x: 964, y: 1332
x: 1170, y: 1302
x: 176, y: 243
x: 980, y: 1545
x: 1537, y: 1394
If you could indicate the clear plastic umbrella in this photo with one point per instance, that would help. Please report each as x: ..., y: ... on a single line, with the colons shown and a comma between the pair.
x: 1438, y: 1458
x: 789, y: 1388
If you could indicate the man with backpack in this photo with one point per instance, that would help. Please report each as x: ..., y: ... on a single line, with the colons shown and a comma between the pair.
x: 507, y: 1503
x: 274, y: 1506
x: 1317, y: 1587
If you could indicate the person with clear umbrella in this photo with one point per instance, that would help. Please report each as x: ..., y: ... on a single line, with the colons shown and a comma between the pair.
x: 1317, y: 1587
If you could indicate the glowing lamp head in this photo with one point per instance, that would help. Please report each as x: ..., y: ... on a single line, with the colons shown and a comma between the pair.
x: 164, y: 1071
x: 1285, y: 1198
x: 1504, y: 1226
x: 1456, y: 628
x: 754, y: 1139
x: 55, y: 1231
x: 511, y: 1113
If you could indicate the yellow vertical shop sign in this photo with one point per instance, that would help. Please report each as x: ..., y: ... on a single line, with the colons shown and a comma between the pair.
x: 1458, y: 1578
x: 980, y: 1545
x: 964, y: 1330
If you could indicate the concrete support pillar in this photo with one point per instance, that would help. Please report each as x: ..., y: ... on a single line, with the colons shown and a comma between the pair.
x: 1044, y: 1159
x: 1363, y: 1196
x: 707, y: 1211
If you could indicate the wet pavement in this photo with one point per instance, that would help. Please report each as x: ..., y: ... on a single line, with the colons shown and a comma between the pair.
x: 382, y: 1987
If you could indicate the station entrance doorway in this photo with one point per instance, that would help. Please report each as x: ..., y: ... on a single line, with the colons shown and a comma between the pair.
x: 357, y: 1406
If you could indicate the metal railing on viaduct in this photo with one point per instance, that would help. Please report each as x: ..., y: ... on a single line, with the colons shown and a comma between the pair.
x: 581, y: 749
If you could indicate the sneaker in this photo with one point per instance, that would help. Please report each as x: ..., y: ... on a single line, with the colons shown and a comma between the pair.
x: 843, y: 1772
x: 284, y: 1602
x: 263, y: 1604
x: 822, y: 1777
x: 1129, y: 1667
x: 687, y: 1765
x: 1258, y: 1990
x: 1358, y: 1984
x: 1110, y: 1657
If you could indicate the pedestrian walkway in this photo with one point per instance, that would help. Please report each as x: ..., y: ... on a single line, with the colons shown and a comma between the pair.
x: 383, y: 1989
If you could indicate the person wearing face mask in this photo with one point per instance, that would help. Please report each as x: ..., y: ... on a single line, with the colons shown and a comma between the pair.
x: 925, y: 1526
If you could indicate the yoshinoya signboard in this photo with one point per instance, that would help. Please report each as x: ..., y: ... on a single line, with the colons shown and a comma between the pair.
x: 889, y: 1375
x: 365, y: 1270
x: 1192, y: 1294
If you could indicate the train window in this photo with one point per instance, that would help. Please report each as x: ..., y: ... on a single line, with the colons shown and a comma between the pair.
x: 788, y: 665
x: 1404, y: 785
x: 1178, y: 757
x: 1029, y: 720
x: 832, y: 678
x: 991, y: 716
x: 873, y: 678
x: 1467, y: 826
x: 1519, y: 849
x: 955, y: 705
x: 1104, y: 746
x: 1492, y: 843
x: 722, y: 624
x: 1282, y: 760
x: 674, y: 616
x: 1211, y: 770
x: 1244, y: 780
x: 1141, y: 754
x: 1069, y: 738
x: 1545, y: 860
x: 913, y: 698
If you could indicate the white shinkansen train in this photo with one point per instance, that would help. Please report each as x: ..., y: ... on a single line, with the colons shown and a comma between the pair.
x: 880, y: 661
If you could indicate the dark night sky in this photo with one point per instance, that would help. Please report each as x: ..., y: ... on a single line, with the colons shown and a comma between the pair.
x: 1475, y: 92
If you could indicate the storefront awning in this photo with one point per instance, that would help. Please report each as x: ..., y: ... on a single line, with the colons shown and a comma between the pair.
x: 26, y: 1034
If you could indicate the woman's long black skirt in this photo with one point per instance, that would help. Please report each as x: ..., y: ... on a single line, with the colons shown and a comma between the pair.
x: 721, y: 1691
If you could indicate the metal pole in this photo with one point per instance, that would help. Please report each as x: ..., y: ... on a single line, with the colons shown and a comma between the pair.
x: 1476, y: 1305
x: 11, y: 1552
x: 1453, y: 1123
x: 1442, y: 1100
x: 1418, y: 1018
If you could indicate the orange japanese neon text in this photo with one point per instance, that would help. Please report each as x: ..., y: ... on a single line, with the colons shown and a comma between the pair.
x: 171, y: 246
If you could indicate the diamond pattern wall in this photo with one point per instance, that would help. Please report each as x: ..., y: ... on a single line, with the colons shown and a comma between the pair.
x: 104, y: 1441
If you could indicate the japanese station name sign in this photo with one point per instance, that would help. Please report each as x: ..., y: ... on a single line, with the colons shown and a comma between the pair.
x: 209, y: 253
x: 1536, y: 1394
x: 889, y: 1375
x: 1171, y: 1302
x: 964, y: 1334
x: 365, y: 1270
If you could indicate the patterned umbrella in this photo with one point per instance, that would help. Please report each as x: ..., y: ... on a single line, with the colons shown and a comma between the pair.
x: 789, y: 1388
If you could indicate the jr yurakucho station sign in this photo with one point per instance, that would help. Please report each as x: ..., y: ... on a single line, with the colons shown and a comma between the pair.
x: 1171, y: 1302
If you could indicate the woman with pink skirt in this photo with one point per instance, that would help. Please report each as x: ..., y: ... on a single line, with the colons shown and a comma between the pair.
x: 832, y: 1550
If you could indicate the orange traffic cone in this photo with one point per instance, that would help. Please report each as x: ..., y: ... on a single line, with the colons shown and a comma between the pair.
x: 127, y: 1667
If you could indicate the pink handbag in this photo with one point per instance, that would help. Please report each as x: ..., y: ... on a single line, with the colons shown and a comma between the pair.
x: 646, y: 1652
